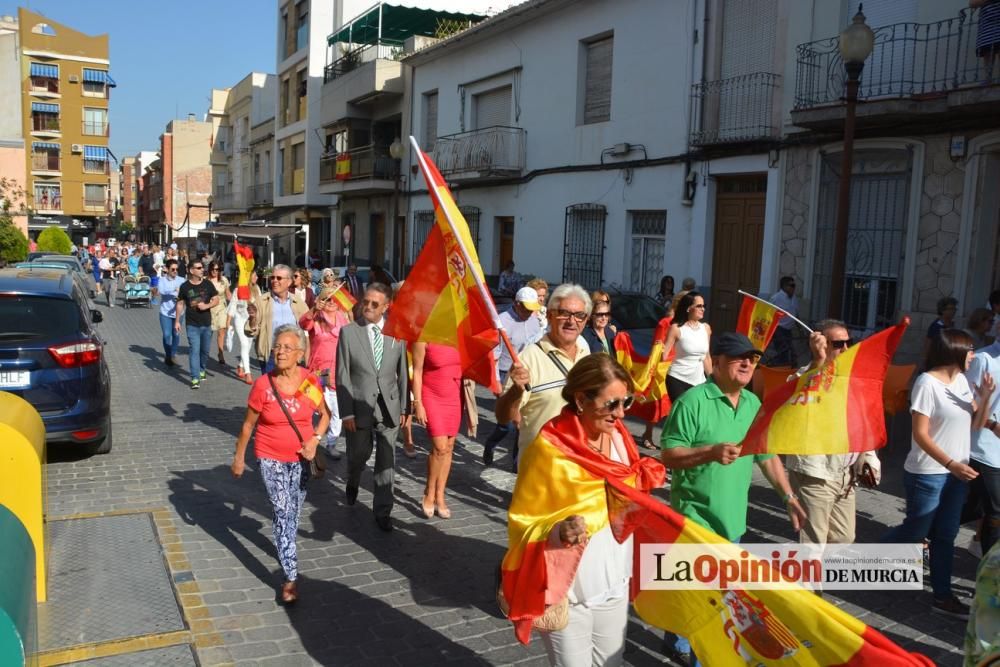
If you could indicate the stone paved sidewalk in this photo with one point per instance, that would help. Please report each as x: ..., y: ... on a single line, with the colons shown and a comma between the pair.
x: 421, y: 595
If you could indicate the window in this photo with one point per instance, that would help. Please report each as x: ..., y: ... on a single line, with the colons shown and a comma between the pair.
x: 48, y: 197
x: 583, y: 260
x: 597, y: 80
x: 492, y: 108
x: 430, y: 120
x: 44, y: 156
x: 44, y: 117
x: 298, y: 168
x: 423, y: 222
x: 649, y: 231
x: 95, y: 122
x: 302, y: 25
x: 95, y: 160
x: 95, y: 196
x: 472, y: 215
x: 301, y: 89
x: 283, y: 109
x: 95, y: 82
x: 44, y: 78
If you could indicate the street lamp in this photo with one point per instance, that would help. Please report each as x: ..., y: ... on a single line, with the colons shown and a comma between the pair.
x: 856, y: 43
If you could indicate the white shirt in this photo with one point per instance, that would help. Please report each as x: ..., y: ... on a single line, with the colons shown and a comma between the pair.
x: 691, y: 346
x: 949, y: 408
x: 986, y: 445
x: 521, y: 333
x: 785, y: 302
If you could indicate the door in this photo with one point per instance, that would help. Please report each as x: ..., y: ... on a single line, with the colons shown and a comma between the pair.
x: 505, y: 224
x: 377, y: 253
x: 399, y: 246
x: 739, y: 242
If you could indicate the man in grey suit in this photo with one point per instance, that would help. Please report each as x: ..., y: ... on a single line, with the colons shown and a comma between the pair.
x: 373, y: 398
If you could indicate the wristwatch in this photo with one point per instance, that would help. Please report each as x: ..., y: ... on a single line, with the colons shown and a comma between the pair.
x: 790, y: 497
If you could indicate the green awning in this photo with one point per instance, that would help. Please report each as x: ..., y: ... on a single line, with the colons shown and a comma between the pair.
x: 398, y: 23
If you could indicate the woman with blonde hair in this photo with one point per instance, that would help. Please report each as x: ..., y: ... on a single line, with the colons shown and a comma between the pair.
x: 220, y: 312
x: 323, y: 323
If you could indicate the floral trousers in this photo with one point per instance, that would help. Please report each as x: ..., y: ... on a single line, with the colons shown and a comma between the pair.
x: 286, y: 489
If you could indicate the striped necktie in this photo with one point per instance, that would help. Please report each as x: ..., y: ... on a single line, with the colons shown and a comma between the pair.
x: 377, y: 346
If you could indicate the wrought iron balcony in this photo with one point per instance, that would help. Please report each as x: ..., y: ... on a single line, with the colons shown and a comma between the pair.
x: 491, y: 151
x: 734, y: 110
x: 262, y: 193
x: 44, y: 202
x: 96, y: 128
x: 224, y: 201
x: 372, y: 162
x: 910, y: 60
x: 48, y: 161
x: 354, y: 58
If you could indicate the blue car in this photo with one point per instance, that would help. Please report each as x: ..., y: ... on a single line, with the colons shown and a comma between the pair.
x: 52, y: 356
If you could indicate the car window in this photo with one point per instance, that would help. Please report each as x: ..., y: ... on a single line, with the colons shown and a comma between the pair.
x: 636, y: 312
x: 37, y: 317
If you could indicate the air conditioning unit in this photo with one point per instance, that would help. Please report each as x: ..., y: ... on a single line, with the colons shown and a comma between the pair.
x: 76, y: 148
x: 73, y: 78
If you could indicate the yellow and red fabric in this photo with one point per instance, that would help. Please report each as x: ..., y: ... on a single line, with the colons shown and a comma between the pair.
x: 344, y: 298
x: 652, y: 403
x: 758, y: 321
x: 440, y: 302
x: 311, y: 390
x: 245, y: 264
x: 834, y: 409
x: 560, y: 476
x: 342, y: 167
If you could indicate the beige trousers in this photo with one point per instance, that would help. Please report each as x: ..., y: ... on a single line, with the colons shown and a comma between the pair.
x: 829, y: 505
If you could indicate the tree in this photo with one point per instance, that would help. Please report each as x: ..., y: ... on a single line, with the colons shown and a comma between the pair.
x: 54, y: 240
x: 13, y: 243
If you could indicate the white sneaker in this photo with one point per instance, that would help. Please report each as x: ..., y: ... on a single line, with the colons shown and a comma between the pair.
x: 331, y: 449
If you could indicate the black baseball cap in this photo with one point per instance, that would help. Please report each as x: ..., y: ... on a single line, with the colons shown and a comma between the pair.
x: 732, y: 344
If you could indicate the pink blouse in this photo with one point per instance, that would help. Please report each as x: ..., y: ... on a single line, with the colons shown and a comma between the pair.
x: 323, y: 338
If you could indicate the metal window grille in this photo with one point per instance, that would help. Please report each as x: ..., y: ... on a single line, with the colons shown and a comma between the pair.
x: 423, y: 221
x: 472, y: 215
x: 583, y: 259
x: 649, y: 230
x: 876, y: 236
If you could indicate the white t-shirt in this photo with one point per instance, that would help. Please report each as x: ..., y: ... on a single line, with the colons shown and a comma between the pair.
x: 949, y: 408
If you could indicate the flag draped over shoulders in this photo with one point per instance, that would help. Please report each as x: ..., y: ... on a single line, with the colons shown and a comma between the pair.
x: 834, y: 409
x: 440, y: 302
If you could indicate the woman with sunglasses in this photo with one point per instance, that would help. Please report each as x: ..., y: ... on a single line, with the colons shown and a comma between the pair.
x: 691, y: 336
x: 323, y: 323
x: 301, y: 285
x: 599, y: 334
x: 220, y: 317
x: 560, y: 500
x: 944, y: 409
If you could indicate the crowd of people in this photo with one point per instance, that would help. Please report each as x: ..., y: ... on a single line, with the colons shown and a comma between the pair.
x: 327, y: 371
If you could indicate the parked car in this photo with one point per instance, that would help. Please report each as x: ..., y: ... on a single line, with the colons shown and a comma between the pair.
x: 40, y: 265
x: 73, y: 263
x: 637, y: 314
x: 52, y: 356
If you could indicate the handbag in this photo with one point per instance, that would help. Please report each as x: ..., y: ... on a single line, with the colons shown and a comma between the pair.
x: 555, y: 618
x: 317, y: 467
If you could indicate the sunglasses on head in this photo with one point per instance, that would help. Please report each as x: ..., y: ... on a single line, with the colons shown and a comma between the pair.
x: 841, y: 344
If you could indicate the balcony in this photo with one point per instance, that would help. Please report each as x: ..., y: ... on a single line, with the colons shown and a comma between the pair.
x: 45, y: 161
x: 734, y: 110
x: 492, y: 152
x: 45, y: 122
x: 96, y: 167
x: 46, y: 202
x: 41, y: 85
x: 228, y: 201
x: 363, y: 170
x: 96, y: 205
x: 96, y: 128
x: 261, y: 194
x: 918, y: 75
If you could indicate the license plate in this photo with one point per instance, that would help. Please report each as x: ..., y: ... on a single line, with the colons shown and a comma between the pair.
x: 14, y: 379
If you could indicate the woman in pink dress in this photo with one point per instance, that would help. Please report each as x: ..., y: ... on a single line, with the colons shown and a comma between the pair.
x: 437, y: 404
x: 323, y: 323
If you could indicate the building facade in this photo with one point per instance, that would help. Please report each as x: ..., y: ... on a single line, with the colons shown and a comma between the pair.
x: 12, y: 156
x: 181, y: 183
x: 66, y: 89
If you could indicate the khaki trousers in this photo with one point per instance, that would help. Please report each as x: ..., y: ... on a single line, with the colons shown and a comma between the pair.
x: 830, y: 506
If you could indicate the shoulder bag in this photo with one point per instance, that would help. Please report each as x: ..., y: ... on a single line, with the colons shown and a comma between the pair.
x: 317, y: 467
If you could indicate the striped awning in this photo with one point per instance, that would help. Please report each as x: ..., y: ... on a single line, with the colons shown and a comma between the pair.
x: 95, y: 153
x: 98, y: 76
x: 42, y: 107
x: 41, y: 69
x: 43, y: 146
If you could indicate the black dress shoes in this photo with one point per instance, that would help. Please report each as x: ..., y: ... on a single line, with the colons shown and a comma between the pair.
x: 384, y: 522
x: 352, y: 495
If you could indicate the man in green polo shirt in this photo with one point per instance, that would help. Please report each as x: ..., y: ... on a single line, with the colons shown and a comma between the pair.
x: 701, y: 445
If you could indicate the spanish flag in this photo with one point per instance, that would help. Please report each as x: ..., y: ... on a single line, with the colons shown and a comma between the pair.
x: 650, y: 377
x: 342, y: 167
x: 245, y: 263
x: 311, y: 390
x: 758, y: 321
x: 834, y: 409
x: 560, y: 476
x: 344, y: 298
x: 440, y: 302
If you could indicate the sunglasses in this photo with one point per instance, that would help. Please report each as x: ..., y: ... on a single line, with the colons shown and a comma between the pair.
x: 197, y: 266
x: 604, y: 314
x: 841, y: 344
x: 373, y: 304
x: 615, y: 403
x: 277, y: 278
x: 561, y: 314
x: 752, y: 357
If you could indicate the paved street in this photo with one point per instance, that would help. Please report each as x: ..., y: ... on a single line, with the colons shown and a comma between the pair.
x: 421, y: 595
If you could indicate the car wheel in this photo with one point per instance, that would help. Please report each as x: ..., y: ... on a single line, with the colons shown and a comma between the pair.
x: 103, y: 446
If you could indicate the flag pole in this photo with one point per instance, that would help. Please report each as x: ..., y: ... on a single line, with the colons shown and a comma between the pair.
x: 484, y: 293
x: 778, y: 308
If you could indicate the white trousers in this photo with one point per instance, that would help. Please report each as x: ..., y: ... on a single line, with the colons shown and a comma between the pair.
x: 330, y: 395
x: 594, y: 637
x: 240, y: 318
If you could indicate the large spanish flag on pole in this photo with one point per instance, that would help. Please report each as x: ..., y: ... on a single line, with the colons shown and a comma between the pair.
x: 560, y: 476
x: 444, y: 298
x: 245, y: 263
x: 834, y: 409
x: 758, y: 320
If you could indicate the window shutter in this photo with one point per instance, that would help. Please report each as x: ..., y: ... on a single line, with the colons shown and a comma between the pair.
x: 492, y: 108
x: 748, y: 37
x: 430, y: 120
x: 597, y: 95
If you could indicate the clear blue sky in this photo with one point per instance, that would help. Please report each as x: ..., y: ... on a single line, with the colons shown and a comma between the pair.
x: 167, y: 55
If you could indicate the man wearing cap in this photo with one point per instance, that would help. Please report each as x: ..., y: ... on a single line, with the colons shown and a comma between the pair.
x: 701, y: 445
x: 523, y: 328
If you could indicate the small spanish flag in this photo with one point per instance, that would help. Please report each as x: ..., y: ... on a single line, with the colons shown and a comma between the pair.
x: 342, y: 167
x: 245, y: 262
x: 758, y: 321
x: 344, y: 298
x: 311, y: 389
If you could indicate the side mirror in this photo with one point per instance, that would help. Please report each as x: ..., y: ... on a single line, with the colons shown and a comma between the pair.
x: 96, y: 316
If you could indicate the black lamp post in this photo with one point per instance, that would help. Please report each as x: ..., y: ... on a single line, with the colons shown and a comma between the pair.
x: 856, y: 43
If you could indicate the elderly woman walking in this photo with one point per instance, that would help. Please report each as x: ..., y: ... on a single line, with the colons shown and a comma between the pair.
x: 281, y: 406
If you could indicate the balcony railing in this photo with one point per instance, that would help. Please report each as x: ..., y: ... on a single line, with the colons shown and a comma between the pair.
x: 96, y: 128
x: 227, y: 200
x: 44, y: 122
x: 364, y: 162
x: 45, y: 161
x: 44, y: 84
x: 354, y: 58
x: 733, y: 110
x: 48, y: 203
x: 498, y: 150
x: 909, y: 60
x: 262, y: 193
x: 95, y: 204
x: 96, y: 167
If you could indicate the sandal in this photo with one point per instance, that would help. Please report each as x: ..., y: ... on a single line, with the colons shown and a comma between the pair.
x: 428, y: 510
x: 443, y: 512
x: 289, y: 592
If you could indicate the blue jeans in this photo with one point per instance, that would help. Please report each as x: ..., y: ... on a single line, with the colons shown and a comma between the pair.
x: 933, y: 510
x: 199, y: 340
x: 171, y: 338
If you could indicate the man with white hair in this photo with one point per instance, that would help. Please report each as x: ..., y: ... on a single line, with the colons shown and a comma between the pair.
x: 533, y: 392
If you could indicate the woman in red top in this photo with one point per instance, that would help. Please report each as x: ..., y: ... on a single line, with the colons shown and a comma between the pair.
x: 282, y: 456
x: 437, y: 383
x: 323, y: 324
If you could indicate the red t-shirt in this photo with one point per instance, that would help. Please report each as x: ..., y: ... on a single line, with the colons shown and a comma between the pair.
x: 275, y: 438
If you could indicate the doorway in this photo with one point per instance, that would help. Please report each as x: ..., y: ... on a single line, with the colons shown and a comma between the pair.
x: 377, y: 248
x: 505, y: 223
x: 739, y: 242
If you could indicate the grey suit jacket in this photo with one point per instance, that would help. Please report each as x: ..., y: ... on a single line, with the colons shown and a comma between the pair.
x: 367, y: 394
